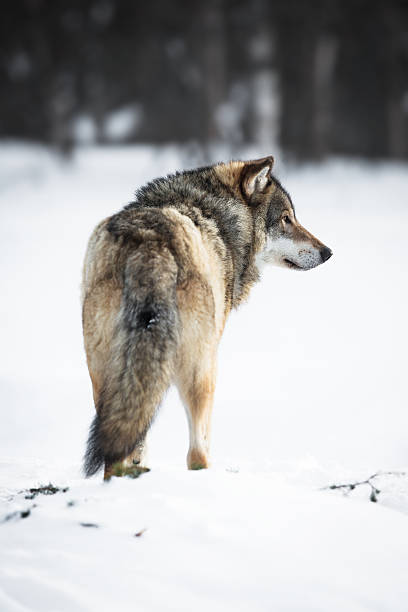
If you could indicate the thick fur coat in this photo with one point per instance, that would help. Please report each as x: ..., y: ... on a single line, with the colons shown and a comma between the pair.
x: 160, y: 278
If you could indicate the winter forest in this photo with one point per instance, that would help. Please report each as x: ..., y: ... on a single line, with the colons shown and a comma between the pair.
x: 322, y: 77
x: 304, y: 506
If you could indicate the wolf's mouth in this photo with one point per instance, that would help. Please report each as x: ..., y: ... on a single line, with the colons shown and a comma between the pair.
x: 291, y: 264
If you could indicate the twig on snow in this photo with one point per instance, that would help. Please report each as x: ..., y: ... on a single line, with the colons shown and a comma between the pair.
x: 348, y: 487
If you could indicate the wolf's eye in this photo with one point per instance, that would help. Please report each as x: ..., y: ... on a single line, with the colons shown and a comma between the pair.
x: 286, y: 219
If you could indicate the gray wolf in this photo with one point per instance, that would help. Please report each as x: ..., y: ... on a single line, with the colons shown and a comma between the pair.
x: 160, y: 279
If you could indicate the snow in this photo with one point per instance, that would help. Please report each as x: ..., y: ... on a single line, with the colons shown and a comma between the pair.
x: 311, y: 391
x: 84, y: 130
x: 122, y: 123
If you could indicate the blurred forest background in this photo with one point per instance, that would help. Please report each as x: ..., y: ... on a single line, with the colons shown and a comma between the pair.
x: 315, y: 78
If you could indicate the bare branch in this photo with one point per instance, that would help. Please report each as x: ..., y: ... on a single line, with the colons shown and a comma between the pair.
x: 374, y: 491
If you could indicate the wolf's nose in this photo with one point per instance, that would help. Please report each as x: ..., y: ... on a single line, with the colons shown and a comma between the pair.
x: 325, y: 253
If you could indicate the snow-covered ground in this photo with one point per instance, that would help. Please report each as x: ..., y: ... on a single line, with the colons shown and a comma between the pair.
x: 311, y: 391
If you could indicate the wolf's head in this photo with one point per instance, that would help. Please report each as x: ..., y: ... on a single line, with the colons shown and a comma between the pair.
x: 282, y: 240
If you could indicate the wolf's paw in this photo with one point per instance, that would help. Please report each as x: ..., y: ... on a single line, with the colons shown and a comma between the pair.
x: 198, y: 466
x: 197, y: 460
x: 119, y: 469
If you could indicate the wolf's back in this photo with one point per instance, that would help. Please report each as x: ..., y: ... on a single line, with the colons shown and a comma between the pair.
x: 140, y: 364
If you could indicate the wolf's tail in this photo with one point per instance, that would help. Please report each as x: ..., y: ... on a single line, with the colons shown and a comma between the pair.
x: 142, y: 357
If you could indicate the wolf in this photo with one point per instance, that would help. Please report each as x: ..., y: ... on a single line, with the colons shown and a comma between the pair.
x: 159, y: 281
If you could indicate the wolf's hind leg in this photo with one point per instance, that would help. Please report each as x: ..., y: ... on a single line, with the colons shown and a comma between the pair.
x: 96, y: 380
x: 197, y: 394
x: 139, y: 455
x: 135, y: 462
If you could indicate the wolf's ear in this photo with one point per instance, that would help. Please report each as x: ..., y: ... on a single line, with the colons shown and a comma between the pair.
x: 255, y: 176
